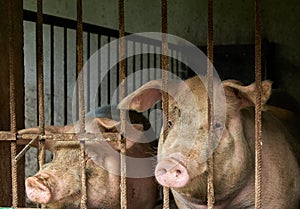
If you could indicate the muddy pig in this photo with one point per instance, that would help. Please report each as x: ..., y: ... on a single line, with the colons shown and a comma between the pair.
x: 182, y: 155
x: 58, y: 183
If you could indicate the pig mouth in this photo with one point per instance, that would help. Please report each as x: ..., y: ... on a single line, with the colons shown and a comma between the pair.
x: 188, y: 199
x: 37, y: 190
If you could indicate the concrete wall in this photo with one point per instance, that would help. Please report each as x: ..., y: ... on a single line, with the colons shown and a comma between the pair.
x: 233, y: 24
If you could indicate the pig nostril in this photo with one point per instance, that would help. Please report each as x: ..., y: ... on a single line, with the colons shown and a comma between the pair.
x: 178, y: 173
x: 171, y: 173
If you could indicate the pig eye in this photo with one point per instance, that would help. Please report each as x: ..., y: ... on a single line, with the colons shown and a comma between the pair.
x: 170, y: 124
x: 217, y: 125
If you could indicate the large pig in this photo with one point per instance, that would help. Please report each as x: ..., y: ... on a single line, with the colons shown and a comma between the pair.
x: 182, y: 164
x: 58, y: 183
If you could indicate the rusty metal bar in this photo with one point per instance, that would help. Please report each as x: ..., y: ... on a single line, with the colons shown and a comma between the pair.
x: 210, y: 53
x: 12, y: 105
x: 79, y: 66
x: 7, y: 136
x: 40, y: 77
x: 25, y: 138
x: 40, y: 61
x: 258, y: 108
x: 165, y: 98
x: 122, y: 112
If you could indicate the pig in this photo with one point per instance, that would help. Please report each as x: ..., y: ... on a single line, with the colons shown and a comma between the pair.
x: 58, y: 183
x: 182, y: 165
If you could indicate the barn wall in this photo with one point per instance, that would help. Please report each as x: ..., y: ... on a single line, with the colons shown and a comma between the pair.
x: 187, y: 18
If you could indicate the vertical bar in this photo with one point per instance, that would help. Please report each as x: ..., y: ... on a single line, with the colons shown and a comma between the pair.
x: 118, y: 73
x: 52, y: 73
x: 79, y: 66
x: 99, y: 70
x: 108, y: 73
x: 40, y: 75
x: 172, y: 62
x: 65, y: 76
x: 88, y: 70
x: 258, y: 123
x: 12, y: 107
x: 141, y: 62
x: 122, y: 112
x: 210, y: 161
x: 134, y: 65
x: 165, y: 99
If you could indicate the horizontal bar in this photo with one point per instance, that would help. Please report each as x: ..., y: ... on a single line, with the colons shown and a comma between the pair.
x: 17, y: 208
x: 109, y: 136
x: 71, y: 24
x: 74, y: 137
x: 7, y: 136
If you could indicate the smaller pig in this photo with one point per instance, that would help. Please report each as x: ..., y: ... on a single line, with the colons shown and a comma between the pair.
x: 58, y: 183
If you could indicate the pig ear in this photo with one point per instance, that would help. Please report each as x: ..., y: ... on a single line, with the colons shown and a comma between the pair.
x: 147, y: 95
x: 144, y: 97
x: 105, y: 122
x: 240, y: 96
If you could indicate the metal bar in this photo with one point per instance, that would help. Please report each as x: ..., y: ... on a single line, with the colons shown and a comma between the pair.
x: 88, y: 81
x: 40, y: 75
x: 22, y: 138
x: 7, y: 136
x: 141, y: 62
x: 52, y: 73
x: 71, y: 24
x: 122, y: 112
x: 134, y: 65
x: 108, y: 73
x: 79, y: 66
x: 12, y: 106
x: 210, y: 60
x: 258, y: 108
x: 165, y: 98
x: 40, y: 62
x: 65, y: 76
x: 73, y: 137
x: 99, y: 70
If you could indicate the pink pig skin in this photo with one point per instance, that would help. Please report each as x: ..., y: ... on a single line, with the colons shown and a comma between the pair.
x: 180, y: 156
x: 58, y: 183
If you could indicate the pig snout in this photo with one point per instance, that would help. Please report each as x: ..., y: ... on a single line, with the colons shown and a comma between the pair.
x: 171, y: 172
x: 37, y: 190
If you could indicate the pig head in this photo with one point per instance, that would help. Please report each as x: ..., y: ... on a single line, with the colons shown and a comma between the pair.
x: 58, y: 183
x: 183, y: 154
